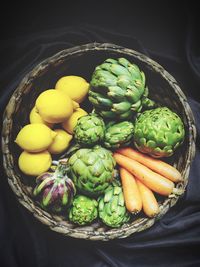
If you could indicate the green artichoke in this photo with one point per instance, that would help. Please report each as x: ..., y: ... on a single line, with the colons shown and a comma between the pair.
x: 112, y: 210
x: 118, y: 134
x: 55, y: 190
x: 83, y: 210
x: 89, y: 130
x: 117, y: 89
x: 158, y: 132
x: 92, y: 169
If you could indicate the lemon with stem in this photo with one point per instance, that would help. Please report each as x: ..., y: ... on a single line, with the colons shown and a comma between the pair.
x: 54, y: 106
x: 60, y: 142
x: 75, y: 87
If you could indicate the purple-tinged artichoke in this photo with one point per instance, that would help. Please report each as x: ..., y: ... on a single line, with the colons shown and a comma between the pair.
x: 55, y: 190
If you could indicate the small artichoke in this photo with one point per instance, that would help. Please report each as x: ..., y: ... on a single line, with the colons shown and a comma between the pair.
x: 158, y: 132
x: 89, y: 130
x: 112, y: 210
x: 92, y: 169
x: 118, y: 90
x: 118, y: 134
x: 54, y: 189
x: 83, y: 210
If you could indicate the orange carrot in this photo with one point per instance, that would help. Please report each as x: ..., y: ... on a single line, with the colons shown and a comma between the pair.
x: 149, y: 202
x: 131, y: 192
x: 151, y: 179
x: 156, y: 165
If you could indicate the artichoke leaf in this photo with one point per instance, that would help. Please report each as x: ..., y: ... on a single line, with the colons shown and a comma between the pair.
x: 133, y: 94
x: 122, y: 107
x: 100, y: 99
x: 123, y: 81
x: 126, y: 115
x: 42, y: 185
x: 119, y: 70
x: 47, y: 197
x: 117, y: 190
x: 124, y: 62
x: 101, y: 204
x: 116, y: 93
x: 107, y: 114
x: 108, y: 196
x: 121, y: 199
x: 114, y: 204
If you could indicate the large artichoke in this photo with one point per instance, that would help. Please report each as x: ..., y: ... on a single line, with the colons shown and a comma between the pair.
x: 83, y: 210
x: 55, y: 190
x: 158, y: 132
x: 92, y: 169
x: 117, y: 89
x: 118, y: 134
x: 112, y: 210
x: 89, y: 130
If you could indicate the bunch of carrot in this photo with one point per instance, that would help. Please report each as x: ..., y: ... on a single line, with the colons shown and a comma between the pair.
x: 141, y: 175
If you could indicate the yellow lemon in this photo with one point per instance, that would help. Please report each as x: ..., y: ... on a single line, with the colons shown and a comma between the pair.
x: 35, y: 117
x: 69, y: 124
x: 74, y: 86
x: 75, y: 105
x: 34, y: 164
x: 60, y: 142
x: 35, y: 137
x: 54, y: 106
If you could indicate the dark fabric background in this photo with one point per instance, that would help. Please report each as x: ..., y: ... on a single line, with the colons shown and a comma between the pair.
x: 168, y: 33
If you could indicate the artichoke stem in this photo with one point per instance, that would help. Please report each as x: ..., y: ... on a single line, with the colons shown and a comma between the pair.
x: 147, y: 103
x: 61, y: 169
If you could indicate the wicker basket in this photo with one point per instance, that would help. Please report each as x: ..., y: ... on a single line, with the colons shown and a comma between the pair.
x: 81, y: 61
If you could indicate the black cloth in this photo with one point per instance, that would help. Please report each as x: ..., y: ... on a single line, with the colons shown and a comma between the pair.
x: 172, y: 241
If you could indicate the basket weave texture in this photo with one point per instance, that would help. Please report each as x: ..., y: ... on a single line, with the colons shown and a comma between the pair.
x: 81, y: 60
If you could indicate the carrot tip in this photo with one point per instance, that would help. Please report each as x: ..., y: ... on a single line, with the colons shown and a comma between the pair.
x: 153, y: 215
x: 135, y: 212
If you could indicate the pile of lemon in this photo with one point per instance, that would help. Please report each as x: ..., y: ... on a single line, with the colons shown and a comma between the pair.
x: 52, y: 121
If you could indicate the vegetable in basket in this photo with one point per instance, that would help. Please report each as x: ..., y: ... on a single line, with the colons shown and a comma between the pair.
x: 89, y: 130
x: 133, y: 200
x: 137, y: 196
x: 83, y: 210
x: 112, y: 210
x: 118, y: 134
x: 154, y: 164
x: 92, y: 169
x: 118, y: 90
x: 151, y: 179
x: 55, y: 190
x: 158, y: 132
x: 149, y: 203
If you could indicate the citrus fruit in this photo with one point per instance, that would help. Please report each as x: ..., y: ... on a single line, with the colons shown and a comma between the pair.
x: 34, y: 163
x: 60, y: 142
x: 54, y: 106
x: 35, y: 137
x: 74, y: 86
x: 36, y: 118
x: 69, y: 124
x: 75, y: 105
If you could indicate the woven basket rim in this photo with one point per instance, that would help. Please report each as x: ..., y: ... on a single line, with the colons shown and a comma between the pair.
x: 48, y: 219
